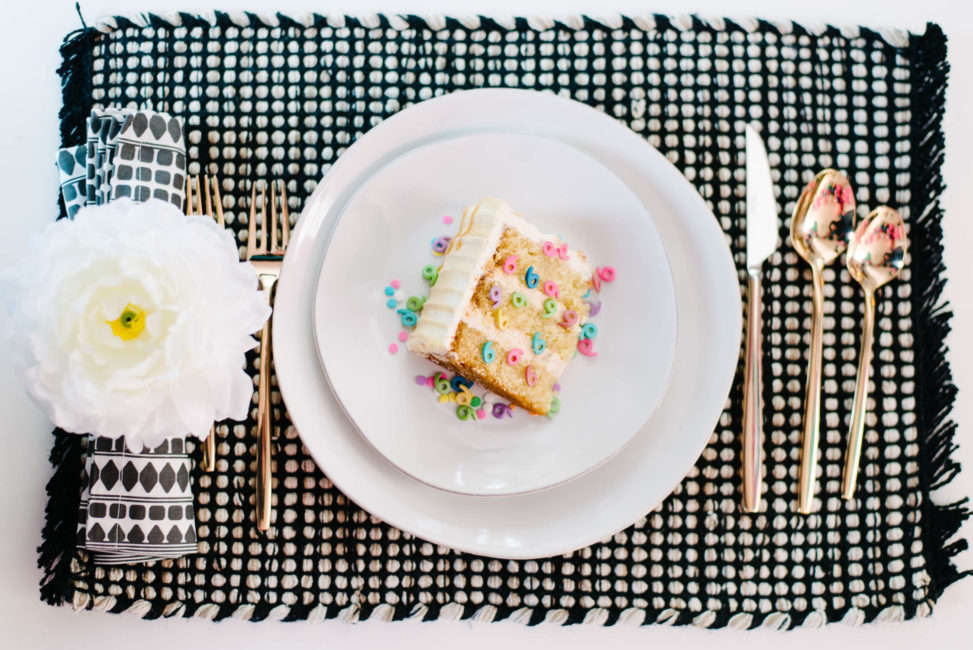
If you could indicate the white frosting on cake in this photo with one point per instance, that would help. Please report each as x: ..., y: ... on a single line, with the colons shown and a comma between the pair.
x: 465, y: 260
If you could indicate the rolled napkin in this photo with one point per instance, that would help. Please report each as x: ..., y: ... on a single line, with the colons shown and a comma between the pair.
x: 131, y: 322
x: 71, y: 167
x: 136, y: 506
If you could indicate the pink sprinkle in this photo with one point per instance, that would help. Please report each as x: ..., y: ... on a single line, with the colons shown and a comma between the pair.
x: 480, y: 414
x: 403, y: 335
x: 447, y: 220
x: 393, y: 348
x: 395, y: 284
x: 429, y: 381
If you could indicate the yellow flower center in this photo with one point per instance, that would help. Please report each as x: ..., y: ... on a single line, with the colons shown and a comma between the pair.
x: 129, y: 324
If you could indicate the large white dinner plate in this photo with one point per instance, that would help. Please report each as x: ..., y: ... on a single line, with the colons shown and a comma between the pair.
x: 385, y: 231
x: 624, y: 488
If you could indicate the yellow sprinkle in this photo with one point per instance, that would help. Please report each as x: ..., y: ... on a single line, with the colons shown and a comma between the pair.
x: 451, y: 397
x: 443, y: 398
x: 129, y: 323
x: 500, y: 318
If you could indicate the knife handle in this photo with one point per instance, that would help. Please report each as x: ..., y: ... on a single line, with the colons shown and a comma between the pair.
x: 752, y: 456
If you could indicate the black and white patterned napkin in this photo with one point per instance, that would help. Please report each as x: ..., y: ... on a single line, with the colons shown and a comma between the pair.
x: 136, y: 505
x: 71, y: 164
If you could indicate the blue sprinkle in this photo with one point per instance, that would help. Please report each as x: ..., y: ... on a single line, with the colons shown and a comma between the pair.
x: 389, y: 291
x: 390, y: 303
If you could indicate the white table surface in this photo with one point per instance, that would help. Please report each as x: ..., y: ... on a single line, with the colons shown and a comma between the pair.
x: 30, y: 32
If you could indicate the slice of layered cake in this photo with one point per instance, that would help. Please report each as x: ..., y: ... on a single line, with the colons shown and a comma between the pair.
x: 507, y: 306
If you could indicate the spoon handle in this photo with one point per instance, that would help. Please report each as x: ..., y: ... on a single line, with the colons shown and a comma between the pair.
x: 849, y: 478
x: 812, y: 399
x: 752, y: 453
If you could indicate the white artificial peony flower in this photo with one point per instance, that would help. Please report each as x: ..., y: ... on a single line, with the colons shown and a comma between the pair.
x: 133, y: 319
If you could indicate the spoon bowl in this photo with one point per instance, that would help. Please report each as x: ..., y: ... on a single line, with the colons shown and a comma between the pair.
x: 875, y: 256
x: 876, y: 253
x: 823, y: 220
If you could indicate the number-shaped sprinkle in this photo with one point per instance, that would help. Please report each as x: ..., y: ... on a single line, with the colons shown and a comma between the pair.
x: 518, y: 299
x: 442, y: 384
x: 510, y: 264
x: 555, y: 406
x: 530, y: 375
x: 606, y: 273
x: 550, y: 308
x: 415, y: 303
x: 464, y: 397
x: 500, y: 410
x: 537, y: 344
x: 464, y: 412
x: 408, y: 317
x: 569, y: 319
x: 495, y: 295
x: 589, y: 331
x: 585, y: 347
x: 530, y: 278
x: 487, y: 352
x: 514, y: 356
x: 551, y: 289
x: 501, y: 318
x: 430, y: 274
x: 596, y: 281
x: 549, y: 249
x: 562, y: 252
x: 594, y: 308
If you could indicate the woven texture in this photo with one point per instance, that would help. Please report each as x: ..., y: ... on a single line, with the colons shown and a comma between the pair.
x: 273, y: 96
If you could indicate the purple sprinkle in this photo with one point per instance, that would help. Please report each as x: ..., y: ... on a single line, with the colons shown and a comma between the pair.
x: 499, y: 410
x: 420, y: 380
x: 594, y: 308
x: 557, y: 388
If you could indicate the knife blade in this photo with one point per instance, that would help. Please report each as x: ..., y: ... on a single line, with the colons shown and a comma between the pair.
x: 763, y: 238
x: 763, y: 232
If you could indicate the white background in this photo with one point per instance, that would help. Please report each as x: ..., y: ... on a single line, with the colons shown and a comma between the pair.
x: 30, y: 32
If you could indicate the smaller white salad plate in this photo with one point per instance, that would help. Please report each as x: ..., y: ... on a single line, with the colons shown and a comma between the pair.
x: 385, y: 232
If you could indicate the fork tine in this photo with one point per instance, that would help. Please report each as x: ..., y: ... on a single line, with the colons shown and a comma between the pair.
x: 285, y: 218
x: 199, y: 198
x: 209, y: 197
x: 189, y: 194
x: 263, y: 220
x: 273, y: 218
x: 218, y: 200
x: 252, y: 226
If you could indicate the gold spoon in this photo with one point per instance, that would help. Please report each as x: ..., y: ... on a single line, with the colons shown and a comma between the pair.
x: 823, y: 220
x: 875, y: 256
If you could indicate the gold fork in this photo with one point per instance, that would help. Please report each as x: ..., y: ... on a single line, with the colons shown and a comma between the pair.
x: 267, y: 262
x: 209, y: 454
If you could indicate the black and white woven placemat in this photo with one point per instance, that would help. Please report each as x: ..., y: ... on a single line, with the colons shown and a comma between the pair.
x: 274, y: 95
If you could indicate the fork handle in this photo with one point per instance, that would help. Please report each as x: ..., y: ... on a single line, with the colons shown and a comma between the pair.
x: 264, y: 476
x: 753, y: 412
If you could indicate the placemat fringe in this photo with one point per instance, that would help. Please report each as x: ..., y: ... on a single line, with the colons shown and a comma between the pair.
x: 935, y: 395
x: 61, y: 519
x: 574, y: 22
